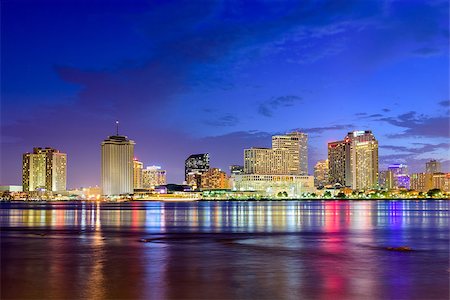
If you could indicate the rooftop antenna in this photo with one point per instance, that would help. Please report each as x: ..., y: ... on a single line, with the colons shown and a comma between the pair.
x: 117, y: 128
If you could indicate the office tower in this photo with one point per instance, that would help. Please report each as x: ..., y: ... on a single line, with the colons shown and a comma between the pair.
x: 297, y: 144
x: 153, y: 176
x: 268, y: 161
x: 353, y: 162
x: 321, y: 173
x: 44, y: 169
x: 236, y: 170
x: 117, y: 153
x: 421, y: 182
x: 194, y: 166
x: 214, y: 178
x: 400, y: 176
x: 386, y: 180
x: 137, y: 174
x: 432, y: 166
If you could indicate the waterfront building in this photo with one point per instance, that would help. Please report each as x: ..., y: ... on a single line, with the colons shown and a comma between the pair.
x: 194, y: 166
x: 137, y: 174
x: 214, y: 178
x: 117, y: 153
x: 432, y: 166
x: 353, y: 162
x: 321, y: 173
x: 400, y: 176
x: 153, y: 176
x: 386, y: 180
x: 297, y: 145
x: 441, y: 181
x: 268, y: 161
x: 421, y: 182
x: 45, y: 169
x: 293, y: 186
x: 236, y: 169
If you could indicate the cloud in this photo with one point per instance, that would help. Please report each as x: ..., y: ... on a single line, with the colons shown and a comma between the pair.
x: 319, y: 130
x: 424, y: 148
x: 225, y: 121
x: 445, y: 103
x: 267, y: 108
x: 426, y: 51
x: 386, y: 110
x: 419, y: 125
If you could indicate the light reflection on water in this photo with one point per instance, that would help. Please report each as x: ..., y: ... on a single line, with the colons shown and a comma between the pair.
x: 264, y: 249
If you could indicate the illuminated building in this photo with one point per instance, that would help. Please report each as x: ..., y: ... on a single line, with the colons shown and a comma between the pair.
x: 432, y: 166
x: 421, y: 182
x: 297, y: 144
x: 236, y: 170
x: 153, y: 176
x: 214, y: 178
x: 272, y: 185
x: 137, y: 174
x: 194, y: 166
x: 321, y: 173
x: 44, y: 169
x: 117, y: 165
x: 441, y: 181
x: 268, y: 161
x: 400, y: 176
x: 386, y: 180
x: 353, y: 162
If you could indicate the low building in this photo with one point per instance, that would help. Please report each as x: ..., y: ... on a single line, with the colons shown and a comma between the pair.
x: 421, y: 182
x: 293, y: 186
x: 441, y: 181
x: 214, y: 178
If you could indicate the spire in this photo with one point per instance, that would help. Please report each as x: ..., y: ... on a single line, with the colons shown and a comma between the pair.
x: 117, y: 128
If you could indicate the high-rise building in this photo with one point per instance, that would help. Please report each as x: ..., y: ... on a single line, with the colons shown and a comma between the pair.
x: 137, y: 174
x: 214, y: 178
x: 236, y: 170
x: 153, y: 176
x: 421, y: 182
x: 46, y: 169
x: 117, y: 165
x: 353, y: 162
x: 268, y: 161
x: 386, y: 180
x: 432, y: 166
x: 194, y: 166
x: 400, y: 176
x: 297, y: 144
x: 321, y: 173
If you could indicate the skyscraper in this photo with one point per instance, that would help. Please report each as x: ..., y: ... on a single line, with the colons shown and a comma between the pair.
x: 137, y: 174
x: 153, y: 176
x: 321, y: 173
x: 268, y: 161
x: 353, y: 162
x: 297, y: 144
x: 400, y: 176
x: 45, y: 168
x: 194, y: 166
x: 432, y: 166
x: 386, y: 180
x: 117, y: 165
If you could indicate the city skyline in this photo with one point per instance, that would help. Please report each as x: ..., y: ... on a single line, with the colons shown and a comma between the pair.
x: 219, y: 79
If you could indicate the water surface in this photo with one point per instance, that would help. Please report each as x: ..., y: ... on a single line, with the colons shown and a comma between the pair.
x: 223, y: 250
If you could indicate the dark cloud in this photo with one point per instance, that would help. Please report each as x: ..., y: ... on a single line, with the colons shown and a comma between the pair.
x: 268, y: 107
x: 386, y: 110
x: 419, y: 125
x: 422, y: 149
x: 361, y: 114
x: 445, y: 103
x: 224, y: 121
x: 319, y: 130
x: 427, y: 51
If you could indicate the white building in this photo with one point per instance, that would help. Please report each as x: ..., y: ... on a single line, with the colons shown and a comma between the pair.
x: 272, y: 185
x: 117, y: 165
x: 153, y: 176
x: 297, y: 144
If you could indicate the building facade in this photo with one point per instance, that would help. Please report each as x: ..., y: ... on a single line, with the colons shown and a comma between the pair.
x: 236, y: 170
x: 432, y: 166
x: 386, y: 180
x: 44, y: 169
x: 194, y: 166
x: 293, y: 186
x: 137, y: 174
x: 214, y: 178
x: 153, y: 176
x: 421, y: 182
x: 353, y: 162
x: 400, y: 176
x: 297, y: 144
x: 321, y: 173
x: 117, y: 154
x: 268, y: 161
x: 441, y: 181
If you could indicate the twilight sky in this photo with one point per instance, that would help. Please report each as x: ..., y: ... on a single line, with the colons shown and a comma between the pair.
x: 188, y: 77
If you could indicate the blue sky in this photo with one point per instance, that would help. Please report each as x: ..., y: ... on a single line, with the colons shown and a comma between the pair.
x: 188, y: 77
